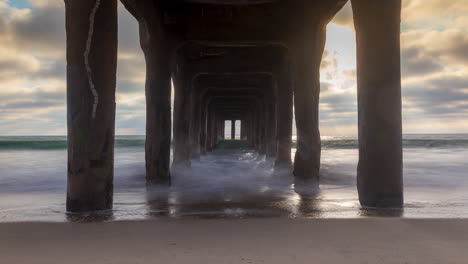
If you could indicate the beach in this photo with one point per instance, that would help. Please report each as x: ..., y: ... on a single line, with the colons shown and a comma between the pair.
x: 372, y: 240
x: 232, y: 207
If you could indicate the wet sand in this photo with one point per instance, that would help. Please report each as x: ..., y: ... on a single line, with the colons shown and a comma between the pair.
x: 267, y: 240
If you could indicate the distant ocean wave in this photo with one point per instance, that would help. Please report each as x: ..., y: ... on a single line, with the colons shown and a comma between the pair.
x: 407, y: 143
x: 60, y: 142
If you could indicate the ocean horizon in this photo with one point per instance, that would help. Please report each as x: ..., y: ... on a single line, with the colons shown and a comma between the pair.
x: 44, y: 142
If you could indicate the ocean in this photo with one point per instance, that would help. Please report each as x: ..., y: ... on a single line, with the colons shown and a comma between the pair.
x: 232, y: 184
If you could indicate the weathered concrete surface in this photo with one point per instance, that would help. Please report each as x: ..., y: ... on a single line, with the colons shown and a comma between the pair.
x: 284, y: 112
x: 380, y: 176
x: 91, y: 28
x: 308, y: 57
x: 195, y: 124
x: 158, y: 117
x: 270, y: 129
x: 182, y: 115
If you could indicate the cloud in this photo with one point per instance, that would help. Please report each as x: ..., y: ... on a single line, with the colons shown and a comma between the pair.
x: 42, y: 31
x: 434, y: 68
x: 450, y: 46
x: 433, y: 10
x: 417, y: 63
x: 31, y: 100
x: 438, y: 96
x: 124, y: 87
x: 13, y: 65
x: 33, y: 68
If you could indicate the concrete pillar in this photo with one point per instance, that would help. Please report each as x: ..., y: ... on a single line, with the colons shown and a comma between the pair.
x: 182, y: 90
x: 243, y: 129
x: 379, y: 176
x: 215, y: 132
x: 210, y: 129
x: 158, y: 117
x: 307, y: 58
x: 209, y: 116
x: 262, y: 128
x: 259, y: 128
x: 255, y: 128
x: 91, y: 28
x: 284, y: 116
x: 203, y: 128
x: 157, y: 46
x: 233, y: 129
x: 250, y: 124
x: 247, y: 128
x: 271, y: 143
x: 195, y: 124
x: 220, y: 129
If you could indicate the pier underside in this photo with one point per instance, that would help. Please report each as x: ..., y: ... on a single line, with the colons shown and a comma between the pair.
x: 256, y: 61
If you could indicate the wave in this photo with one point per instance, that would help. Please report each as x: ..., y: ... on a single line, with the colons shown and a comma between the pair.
x: 52, y: 143
x: 407, y: 143
x: 60, y: 142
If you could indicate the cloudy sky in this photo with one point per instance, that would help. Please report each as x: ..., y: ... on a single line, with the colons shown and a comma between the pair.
x: 434, y: 78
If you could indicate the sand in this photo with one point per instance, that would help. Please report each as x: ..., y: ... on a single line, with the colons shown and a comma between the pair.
x: 374, y: 240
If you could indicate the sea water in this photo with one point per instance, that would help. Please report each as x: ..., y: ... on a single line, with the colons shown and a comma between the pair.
x: 233, y: 184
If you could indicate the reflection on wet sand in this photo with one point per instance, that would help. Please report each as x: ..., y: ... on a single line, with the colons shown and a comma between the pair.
x: 242, y: 184
x: 309, y: 205
x: 265, y: 205
x: 91, y: 217
x: 388, y: 212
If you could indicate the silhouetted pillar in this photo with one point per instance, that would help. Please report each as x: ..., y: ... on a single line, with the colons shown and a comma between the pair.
x: 220, y: 129
x: 242, y: 129
x: 256, y: 128
x: 158, y: 116
x: 213, y: 130
x: 91, y: 68
x: 233, y: 129
x: 210, y: 129
x: 253, y: 128
x: 241, y: 133
x: 262, y: 128
x: 248, y: 128
x: 284, y: 113
x: 380, y: 180
x: 308, y: 56
x: 203, y: 129
x: 216, y: 131
x: 259, y: 128
x: 182, y: 89
x: 195, y: 125
x: 271, y: 142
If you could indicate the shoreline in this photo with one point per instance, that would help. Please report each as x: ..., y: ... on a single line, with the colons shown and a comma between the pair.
x: 265, y: 240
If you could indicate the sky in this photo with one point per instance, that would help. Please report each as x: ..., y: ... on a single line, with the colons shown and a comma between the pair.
x: 434, y: 54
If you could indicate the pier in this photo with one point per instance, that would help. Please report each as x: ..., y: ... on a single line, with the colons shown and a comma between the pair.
x: 254, y: 61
